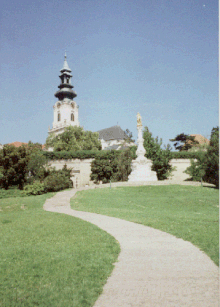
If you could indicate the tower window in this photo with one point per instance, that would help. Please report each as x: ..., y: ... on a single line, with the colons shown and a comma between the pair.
x: 58, y: 117
x: 72, y: 117
x: 67, y: 81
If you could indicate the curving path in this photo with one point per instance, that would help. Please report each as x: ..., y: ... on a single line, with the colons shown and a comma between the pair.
x: 153, y: 269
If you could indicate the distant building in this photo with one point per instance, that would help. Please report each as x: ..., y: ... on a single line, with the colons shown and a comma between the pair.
x: 113, y: 138
x: 65, y: 109
x: 18, y: 144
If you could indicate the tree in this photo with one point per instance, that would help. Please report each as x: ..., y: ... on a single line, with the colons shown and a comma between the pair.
x: 37, y: 163
x: 184, y: 142
x: 115, y: 166
x: 14, y: 163
x: 212, y: 159
x: 129, y: 136
x: 17, y: 165
x: 123, y: 165
x: 160, y: 157
x: 206, y: 166
x: 103, y: 168
x: 197, y: 166
x: 74, y: 138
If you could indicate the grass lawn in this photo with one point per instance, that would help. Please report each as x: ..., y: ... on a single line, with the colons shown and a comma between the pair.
x: 50, y: 259
x: 187, y: 212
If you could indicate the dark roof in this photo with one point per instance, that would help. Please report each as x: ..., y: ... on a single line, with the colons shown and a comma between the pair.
x: 113, y: 147
x: 117, y: 147
x: 112, y: 133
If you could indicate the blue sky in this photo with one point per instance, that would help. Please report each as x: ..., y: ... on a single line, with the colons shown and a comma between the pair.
x: 159, y: 58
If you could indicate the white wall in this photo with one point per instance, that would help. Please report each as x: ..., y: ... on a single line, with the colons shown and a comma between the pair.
x: 180, y: 166
x: 81, y: 170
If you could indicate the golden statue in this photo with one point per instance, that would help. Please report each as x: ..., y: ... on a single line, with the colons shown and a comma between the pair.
x: 139, y: 122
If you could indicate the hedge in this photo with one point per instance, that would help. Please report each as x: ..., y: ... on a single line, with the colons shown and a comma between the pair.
x: 91, y: 154
x: 184, y: 155
x: 83, y: 154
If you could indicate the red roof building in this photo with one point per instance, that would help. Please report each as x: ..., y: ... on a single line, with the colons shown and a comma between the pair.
x: 18, y: 144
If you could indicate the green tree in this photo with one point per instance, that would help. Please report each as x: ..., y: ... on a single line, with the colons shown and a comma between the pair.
x: 212, y: 159
x: 197, y: 166
x: 160, y: 157
x: 184, y: 142
x: 114, y: 166
x: 103, y: 168
x: 129, y: 136
x: 74, y: 138
x: 123, y: 162
x: 14, y: 162
x: 37, y: 165
x: 206, y: 166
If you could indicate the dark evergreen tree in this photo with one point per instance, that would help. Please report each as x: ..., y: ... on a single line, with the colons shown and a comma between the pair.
x: 184, y: 142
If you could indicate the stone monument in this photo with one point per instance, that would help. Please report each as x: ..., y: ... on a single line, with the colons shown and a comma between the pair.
x: 141, y: 166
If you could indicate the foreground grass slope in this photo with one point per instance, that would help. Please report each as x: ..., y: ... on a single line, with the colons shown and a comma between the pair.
x: 187, y: 212
x: 49, y: 259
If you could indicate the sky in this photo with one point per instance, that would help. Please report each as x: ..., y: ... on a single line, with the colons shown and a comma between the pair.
x: 158, y: 58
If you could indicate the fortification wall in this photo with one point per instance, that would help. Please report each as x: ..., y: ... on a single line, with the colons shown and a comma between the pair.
x: 81, y: 170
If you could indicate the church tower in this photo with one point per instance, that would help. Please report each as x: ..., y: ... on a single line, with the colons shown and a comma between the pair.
x: 65, y: 109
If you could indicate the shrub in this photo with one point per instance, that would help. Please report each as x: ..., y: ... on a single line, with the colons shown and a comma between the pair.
x: 160, y: 157
x: 102, y: 169
x: 206, y: 166
x: 197, y: 167
x: 58, y: 180
x: 112, y: 165
x: 184, y: 154
x: 37, y: 188
x: 212, y: 159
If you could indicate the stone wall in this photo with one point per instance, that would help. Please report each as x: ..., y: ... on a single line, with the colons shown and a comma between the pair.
x: 81, y: 170
x: 180, y: 166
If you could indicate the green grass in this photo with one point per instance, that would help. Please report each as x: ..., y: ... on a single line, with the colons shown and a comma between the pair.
x: 50, y: 259
x: 11, y: 192
x: 187, y: 212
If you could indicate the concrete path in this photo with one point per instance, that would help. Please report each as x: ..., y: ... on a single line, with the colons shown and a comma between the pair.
x: 153, y: 269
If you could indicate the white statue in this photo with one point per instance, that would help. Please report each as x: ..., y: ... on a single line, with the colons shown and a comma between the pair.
x: 139, y: 122
x: 141, y: 166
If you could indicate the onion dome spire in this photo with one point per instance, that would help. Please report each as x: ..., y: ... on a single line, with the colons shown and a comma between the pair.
x: 65, y: 65
x: 65, y: 85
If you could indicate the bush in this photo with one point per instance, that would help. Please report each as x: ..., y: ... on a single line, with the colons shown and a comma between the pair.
x: 212, y: 159
x: 197, y: 167
x: 112, y: 165
x: 160, y: 157
x: 207, y: 165
x: 57, y: 181
x: 80, y: 154
x: 37, y: 188
x: 184, y: 154
x: 103, y: 168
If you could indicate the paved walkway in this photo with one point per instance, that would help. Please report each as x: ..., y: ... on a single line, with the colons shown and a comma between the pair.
x: 153, y: 269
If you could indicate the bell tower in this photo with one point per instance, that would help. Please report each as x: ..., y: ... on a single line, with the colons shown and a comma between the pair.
x: 65, y: 109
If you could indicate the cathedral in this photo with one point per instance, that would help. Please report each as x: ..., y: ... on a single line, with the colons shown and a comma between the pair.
x: 65, y: 110
x: 65, y: 113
